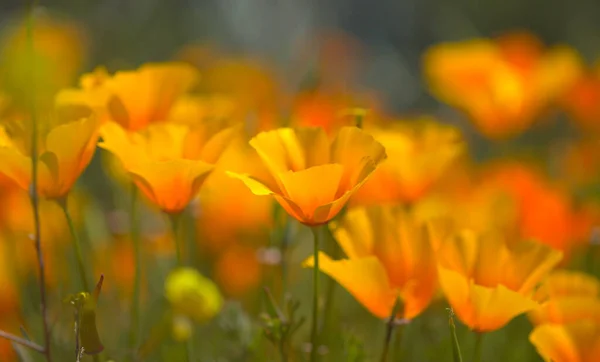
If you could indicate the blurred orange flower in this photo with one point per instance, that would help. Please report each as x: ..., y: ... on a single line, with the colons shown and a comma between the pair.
x: 502, y: 84
x: 581, y: 100
x: 227, y: 211
x: 573, y: 342
x: 146, y: 95
x: 567, y: 296
x: 65, y: 150
x: 419, y: 153
x: 311, y: 177
x: 168, y: 162
x: 488, y: 283
x: 237, y: 270
x: 389, y: 257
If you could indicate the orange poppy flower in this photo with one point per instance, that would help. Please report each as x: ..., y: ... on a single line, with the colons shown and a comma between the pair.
x: 238, y: 270
x: 581, y: 100
x: 389, y: 257
x: 168, y: 162
x: 313, y: 178
x: 502, y: 84
x: 146, y: 95
x: 65, y: 150
x: 488, y: 283
x: 418, y: 155
x: 567, y: 296
x: 573, y: 342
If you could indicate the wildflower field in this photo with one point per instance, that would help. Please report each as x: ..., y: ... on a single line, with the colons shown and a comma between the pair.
x: 164, y: 198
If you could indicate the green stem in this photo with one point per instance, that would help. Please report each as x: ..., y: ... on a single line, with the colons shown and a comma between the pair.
x: 176, y: 227
x: 331, y: 286
x: 478, y: 347
x: 76, y: 243
x: 389, y: 330
x: 135, y: 300
x: 314, y: 342
x: 34, y: 193
x: 190, y: 351
x: 456, y: 355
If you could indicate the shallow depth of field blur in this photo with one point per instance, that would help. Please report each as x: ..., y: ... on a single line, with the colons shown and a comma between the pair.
x: 444, y: 154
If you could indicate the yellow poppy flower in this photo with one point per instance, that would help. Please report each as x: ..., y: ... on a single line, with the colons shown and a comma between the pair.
x: 168, y: 162
x: 313, y: 178
x: 389, y: 257
x: 65, y: 150
x: 573, y: 342
x: 419, y: 153
x: 146, y: 95
x: 488, y: 283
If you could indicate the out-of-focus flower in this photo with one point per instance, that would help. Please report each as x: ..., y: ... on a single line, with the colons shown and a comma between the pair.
x: 488, y: 283
x: 313, y: 178
x: 581, y: 100
x: 502, y: 84
x: 168, y: 162
x: 193, y: 297
x: 91, y: 94
x: 237, y: 270
x: 227, y: 211
x: 418, y: 155
x: 146, y: 95
x: 65, y: 150
x: 573, y: 342
x: 191, y: 109
x: 389, y: 257
x: 58, y: 54
x: 565, y: 297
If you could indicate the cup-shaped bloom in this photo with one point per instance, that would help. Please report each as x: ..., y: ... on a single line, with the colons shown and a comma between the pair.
x: 146, y: 95
x: 389, y: 257
x: 565, y: 297
x: 501, y: 84
x: 193, y: 297
x: 313, y: 178
x: 168, y: 162
x: 488, y: 283
x: 65, y: 150
x: 572, y: 342
x: 418, y: 155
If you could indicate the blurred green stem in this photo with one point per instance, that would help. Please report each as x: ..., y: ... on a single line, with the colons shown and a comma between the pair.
x: 314, y: 343
x: 176, y: 226
x: 135, y: 300
x: 62, y: 202
x: 34, y: 196
x: 330, y: 294
x: 391, y: 323
x: 478, y: 347
x: 189, y: 344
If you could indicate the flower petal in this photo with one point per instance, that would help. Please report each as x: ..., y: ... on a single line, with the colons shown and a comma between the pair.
x: 364, y: 278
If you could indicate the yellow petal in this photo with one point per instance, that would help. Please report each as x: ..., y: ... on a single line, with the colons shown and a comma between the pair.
x: 566, y: 310
x: 573, y: 342
x: 171, y: 185
x: 354, y: 233
x: 359, y: 153
x: 254, y: 185
x: 364, y: 278
x: 531, y: 261
x: 313, y: 187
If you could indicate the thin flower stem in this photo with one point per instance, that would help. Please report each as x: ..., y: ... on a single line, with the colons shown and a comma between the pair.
x: 176, y: 227
x: 46, y: 350
x: 314, y: 342
x: 191, y: 352
x: 22, y: 341
x: 76, y: 243
x: 134, y: 327
x: 456, y: 354
x: 478, y: 347
x: 391, y: 323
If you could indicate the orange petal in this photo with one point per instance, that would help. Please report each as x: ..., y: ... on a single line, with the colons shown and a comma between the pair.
x: 171, y: 184
x: 364, y: 278
x: 573, y: 342
x: 354, y: 233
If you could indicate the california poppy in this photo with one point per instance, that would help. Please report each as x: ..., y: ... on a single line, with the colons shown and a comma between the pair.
x: 389, y: 257
x: 311, y: 177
